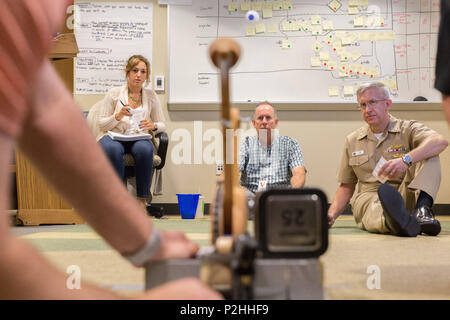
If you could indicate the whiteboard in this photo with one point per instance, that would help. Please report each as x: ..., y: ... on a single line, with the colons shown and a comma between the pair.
x: 393, y: 41
x: 107, y: 34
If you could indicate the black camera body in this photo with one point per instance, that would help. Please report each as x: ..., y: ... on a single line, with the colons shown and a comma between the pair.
x: 291, y: 223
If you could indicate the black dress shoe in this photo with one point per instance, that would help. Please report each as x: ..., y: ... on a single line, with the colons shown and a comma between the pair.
x: 428, y: 224
x: 157, y: 212
x: 398, y: 220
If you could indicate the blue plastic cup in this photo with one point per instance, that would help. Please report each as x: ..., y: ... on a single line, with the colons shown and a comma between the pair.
x: 187, y: 204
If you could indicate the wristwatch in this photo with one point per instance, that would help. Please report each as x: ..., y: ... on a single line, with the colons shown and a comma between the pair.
x: 144, y: 254
x: 156, y: 127
x: 407, y: 159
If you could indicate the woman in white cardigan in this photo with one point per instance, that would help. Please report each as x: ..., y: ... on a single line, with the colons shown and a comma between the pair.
x: 118, y: 112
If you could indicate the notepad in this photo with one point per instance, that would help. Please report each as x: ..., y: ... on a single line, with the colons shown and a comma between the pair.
x: 128, y: 137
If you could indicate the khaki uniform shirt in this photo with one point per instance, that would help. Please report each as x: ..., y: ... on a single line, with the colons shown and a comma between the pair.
x: 363, y: 151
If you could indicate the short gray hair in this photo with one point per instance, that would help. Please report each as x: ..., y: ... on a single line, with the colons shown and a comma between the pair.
x: 377, y: 85
x: 265, y: 103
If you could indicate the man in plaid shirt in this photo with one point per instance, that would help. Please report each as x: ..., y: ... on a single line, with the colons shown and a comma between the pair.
x: 268, y: 160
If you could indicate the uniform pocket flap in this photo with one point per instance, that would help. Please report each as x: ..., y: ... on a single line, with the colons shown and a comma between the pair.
x: 359, y: 160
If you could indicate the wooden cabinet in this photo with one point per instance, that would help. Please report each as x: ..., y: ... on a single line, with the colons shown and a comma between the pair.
x: 37, y: 202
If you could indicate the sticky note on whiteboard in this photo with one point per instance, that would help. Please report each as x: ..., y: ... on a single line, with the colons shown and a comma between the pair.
x: 267, y: 13
x: 333, y: 91
x: 348, y: 91
x: 250, y: 31
x: 272, y: 28
x: 245, y: 6
x: 315, y: 61
x: 334, y: 5
x: 260, y: 28
x: 286, y: 44
x: 233, y: 6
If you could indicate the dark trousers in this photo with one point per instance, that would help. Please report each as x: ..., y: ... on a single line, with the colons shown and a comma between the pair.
x: 142, y: 152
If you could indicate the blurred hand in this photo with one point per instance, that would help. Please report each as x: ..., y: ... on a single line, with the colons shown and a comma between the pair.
x: 147, y: 125
x: 123, y: 112
x: 175, y: 244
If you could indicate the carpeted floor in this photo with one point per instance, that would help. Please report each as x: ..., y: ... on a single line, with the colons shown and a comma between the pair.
x: 408, y: 268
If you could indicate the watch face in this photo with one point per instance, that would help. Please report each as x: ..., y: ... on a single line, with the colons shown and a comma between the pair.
x: 407, y: 158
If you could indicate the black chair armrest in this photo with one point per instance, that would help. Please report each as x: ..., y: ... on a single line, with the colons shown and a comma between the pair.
x: 162, y: 149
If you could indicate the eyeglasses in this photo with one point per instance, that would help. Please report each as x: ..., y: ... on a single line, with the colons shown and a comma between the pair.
x: 370, y: 103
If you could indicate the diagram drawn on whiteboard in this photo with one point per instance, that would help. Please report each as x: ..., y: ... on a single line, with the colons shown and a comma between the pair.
x: 305, y: 51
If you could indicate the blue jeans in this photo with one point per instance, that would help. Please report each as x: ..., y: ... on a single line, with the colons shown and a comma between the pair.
x: 142, y: 152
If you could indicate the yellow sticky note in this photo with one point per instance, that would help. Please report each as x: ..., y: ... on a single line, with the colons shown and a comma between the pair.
x: 268, y: 5
x: 233, y: 6
x: 245, y: 6
x: 267, y: 13
x: 348, y: 91
x: 329, y: 39
x: 324, y: 56
x: 345, y: 56
x: 306, y: 25
x: 327, y: 25
x: 334, y: 5
x: 330, y: 64
x: 250, y: 31
x: 286, y: 44
x: 365, y: 36
x: 297, y: 26
x: 353, y: 69
x: 359, y: 21
x: 317, y: 46
x: 337, y: 45
x: 287, y: 4
x: 315, y: 61
x: 353, y: 10
x: 316, y: 30
x: 260, y: 28
x: 272, y: 28
x: 277, y: 5
x: 363, y: 3
x: 355, y: 55
x: 343, y: 74
x: 286, y: 26
x: 349, y: 39
x: 353, y: 3
x: 257, y: 6
x: 316, y: 20
x: 333, y: 91
x: 343, y: 67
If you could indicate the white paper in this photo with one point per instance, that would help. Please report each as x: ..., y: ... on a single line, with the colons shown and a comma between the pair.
x: 137, y: 115
x: 108, y: 33
x: 375, y: 171
x: 128, y: 137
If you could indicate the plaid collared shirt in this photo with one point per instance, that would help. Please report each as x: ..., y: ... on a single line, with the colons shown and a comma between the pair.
x: 273, y: 164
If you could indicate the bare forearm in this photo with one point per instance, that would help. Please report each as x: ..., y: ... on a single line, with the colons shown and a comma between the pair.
x: 58, y: 137
x: 40, y: 280
x: 298, y: 177
x: 341, y: 199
